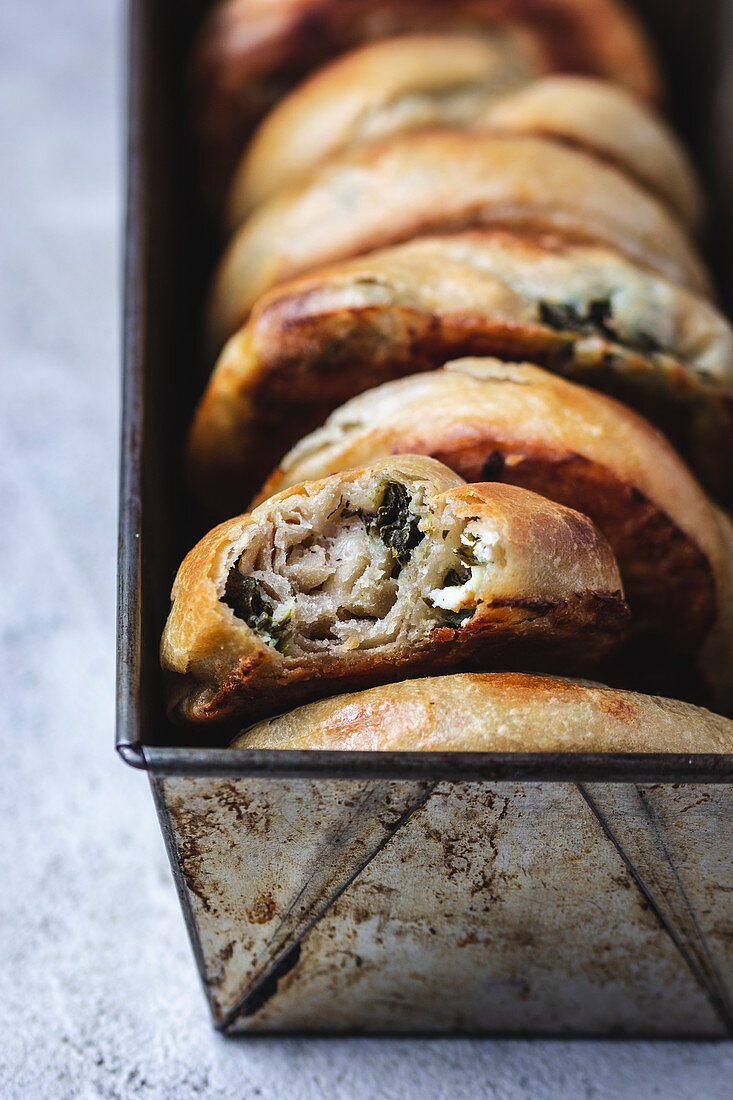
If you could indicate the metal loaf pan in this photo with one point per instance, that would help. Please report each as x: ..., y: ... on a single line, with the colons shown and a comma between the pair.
x: 398, y: 892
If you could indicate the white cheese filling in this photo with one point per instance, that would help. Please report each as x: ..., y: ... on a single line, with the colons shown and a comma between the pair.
x: 479, y: 548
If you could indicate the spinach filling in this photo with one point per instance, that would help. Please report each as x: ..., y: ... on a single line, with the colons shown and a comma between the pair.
x: 594, y: 320
x: 248, y: 601
x: 396, y: 525
x: 466, y: 553
x: 393, y: 523
x: 456, y: 619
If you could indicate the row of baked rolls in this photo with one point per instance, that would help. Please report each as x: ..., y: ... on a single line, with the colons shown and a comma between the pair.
x: 419, y: 135
x: 564, y: 209
x: 411, y: 184
x: 579, y: 310
x: 396, y: 138
x: 418, y: 82
x: 525, y: 427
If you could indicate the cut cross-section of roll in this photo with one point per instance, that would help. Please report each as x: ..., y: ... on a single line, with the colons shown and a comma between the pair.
x: 396, y: 569
x: 495, y: 712
x: 250, y: 52
x: 444, y: 180
x: 524, y: 426
x: 579, y: 310
x: 420, y: 81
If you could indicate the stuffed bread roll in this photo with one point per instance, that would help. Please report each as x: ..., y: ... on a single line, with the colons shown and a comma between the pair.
x: 388, y: 86
x: 442, y: 180
x: 520, y: 425
x: 495, y: 712
x: 370, y: 575
x: 249, y: 52
x: 579, y: 310
x: 420, y: 81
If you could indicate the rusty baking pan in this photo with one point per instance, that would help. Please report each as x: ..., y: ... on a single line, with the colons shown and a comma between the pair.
x: 401, y: 892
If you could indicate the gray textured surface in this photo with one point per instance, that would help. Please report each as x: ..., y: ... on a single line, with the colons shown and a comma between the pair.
x: 98, y: 994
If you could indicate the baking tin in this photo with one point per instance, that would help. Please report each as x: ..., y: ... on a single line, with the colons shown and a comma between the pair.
x: 452, y: 893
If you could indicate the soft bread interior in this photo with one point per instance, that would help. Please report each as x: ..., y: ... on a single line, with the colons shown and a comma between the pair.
x: 363, y: 568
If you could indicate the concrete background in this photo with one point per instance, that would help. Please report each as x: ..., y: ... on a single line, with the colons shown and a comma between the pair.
x: 98, y: 992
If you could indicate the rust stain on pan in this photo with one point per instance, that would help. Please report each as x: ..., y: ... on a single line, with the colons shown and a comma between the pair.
x: 262, y: 859
x: 477, y: 907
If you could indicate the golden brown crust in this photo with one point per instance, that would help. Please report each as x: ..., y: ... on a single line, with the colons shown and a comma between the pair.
x: 420, y: 81
x: 556, y: 599
x: 250, y: 51
x: 388, y: 86
x: 612, y: 124
x: 520, y: 425
x: 441, y: 181
x: 314, y: 343
x: 495, y: 712
x: 575, y: 634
